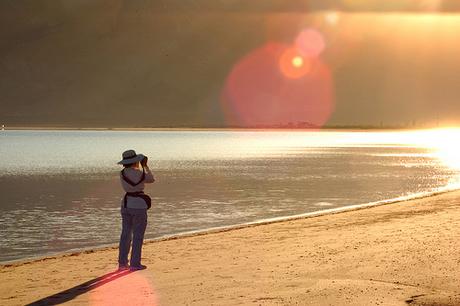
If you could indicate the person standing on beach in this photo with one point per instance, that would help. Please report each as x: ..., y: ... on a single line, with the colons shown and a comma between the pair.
x: 134, y: 207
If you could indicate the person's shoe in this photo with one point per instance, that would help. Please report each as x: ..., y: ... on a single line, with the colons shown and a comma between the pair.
x: 137, y: 267
x: 123, y: 267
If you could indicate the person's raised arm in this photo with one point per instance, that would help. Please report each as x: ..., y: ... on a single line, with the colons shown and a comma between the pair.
x: 148, y: 174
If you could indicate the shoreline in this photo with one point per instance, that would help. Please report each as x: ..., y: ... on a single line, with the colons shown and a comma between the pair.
x: 397, y: 254
x: 227, y: 228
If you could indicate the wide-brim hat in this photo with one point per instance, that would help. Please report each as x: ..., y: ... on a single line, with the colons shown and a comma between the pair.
x: 130, y: 157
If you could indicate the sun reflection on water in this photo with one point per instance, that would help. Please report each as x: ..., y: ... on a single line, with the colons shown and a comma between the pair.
x: 442, y: 142
x: 446, y: 145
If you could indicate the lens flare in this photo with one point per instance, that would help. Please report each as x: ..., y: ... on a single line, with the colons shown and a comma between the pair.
x: 275, y: 85
x: 332, y: 18
x: 430, y: 5
x: 293, y: 65
x: 297, y: 61
x: 310, y: 42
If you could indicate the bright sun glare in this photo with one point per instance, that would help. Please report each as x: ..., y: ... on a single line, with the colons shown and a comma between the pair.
x: 445, y: 144
x: 442, y: 143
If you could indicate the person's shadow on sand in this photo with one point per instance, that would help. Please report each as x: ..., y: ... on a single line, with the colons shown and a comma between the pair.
x: 71, y: 293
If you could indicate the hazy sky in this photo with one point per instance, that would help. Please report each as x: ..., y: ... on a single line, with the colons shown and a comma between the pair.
x: 216, y: 63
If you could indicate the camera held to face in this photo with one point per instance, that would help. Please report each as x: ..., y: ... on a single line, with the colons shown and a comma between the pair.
x: 144, y: 161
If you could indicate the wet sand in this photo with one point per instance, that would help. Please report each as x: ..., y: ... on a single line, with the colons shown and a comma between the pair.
x: 396, y: 254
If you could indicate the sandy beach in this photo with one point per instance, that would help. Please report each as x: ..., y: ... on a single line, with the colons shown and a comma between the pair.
x: 396, y: 254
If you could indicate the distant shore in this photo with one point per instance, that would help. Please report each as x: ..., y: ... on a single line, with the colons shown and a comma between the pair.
x: 397, y: 254
x: 331, y: 128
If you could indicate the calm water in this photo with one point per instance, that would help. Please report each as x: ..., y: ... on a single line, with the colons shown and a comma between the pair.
x: 59, y: 190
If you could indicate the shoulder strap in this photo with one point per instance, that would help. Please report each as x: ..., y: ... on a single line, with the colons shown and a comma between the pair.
x: 127, y: 180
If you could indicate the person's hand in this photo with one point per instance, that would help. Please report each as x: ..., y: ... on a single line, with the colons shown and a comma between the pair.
x: 144, y: 161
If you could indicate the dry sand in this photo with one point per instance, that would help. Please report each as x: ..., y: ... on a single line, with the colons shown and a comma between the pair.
x: 396, y: 254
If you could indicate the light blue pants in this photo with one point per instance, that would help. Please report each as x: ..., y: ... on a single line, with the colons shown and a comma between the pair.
x: 134, y: 222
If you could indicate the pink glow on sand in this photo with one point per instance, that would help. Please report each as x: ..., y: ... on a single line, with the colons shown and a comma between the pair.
x: 276, y: 84
x: 132, y: 289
